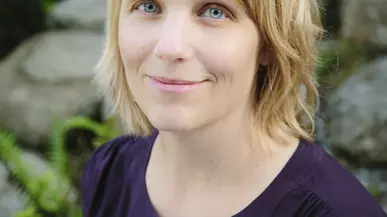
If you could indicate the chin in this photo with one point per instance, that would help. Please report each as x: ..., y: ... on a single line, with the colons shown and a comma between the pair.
x: 172, y: 122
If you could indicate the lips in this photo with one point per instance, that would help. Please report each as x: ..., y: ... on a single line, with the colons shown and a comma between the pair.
x: 169, y: 81
x: 174, y: 85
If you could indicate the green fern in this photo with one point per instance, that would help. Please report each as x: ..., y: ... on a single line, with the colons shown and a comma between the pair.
x: 57, y: 153
x: 28, y: 212
x: 11, y: 155
x: 52, y: 191
x: 47, y: 5
x: 47, y: 192
x: 104, y: 131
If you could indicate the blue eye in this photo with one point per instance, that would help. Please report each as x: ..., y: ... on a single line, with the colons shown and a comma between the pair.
x: 214, y: 13
x: 148, y: 7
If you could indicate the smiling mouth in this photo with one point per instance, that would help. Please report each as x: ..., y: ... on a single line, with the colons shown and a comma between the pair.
x: 169, y: 81
x: 174, y: 85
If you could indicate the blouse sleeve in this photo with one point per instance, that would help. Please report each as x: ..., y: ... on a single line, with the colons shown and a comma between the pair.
x: 95, y: 172
x: 302, y: 202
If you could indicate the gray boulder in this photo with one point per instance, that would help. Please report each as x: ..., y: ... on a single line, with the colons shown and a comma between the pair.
x: 357, y: 113
x: 11, y: 199
x: 365, y: 21
x: 48, y: 78
x: 85, y: 14
x: 383, y: 203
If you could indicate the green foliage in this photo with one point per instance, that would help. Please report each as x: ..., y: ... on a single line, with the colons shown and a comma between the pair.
x: 51, y: 192
x: 375, y: 191
x: 48, y: 191
x: 337, y: 63
x: 104, y: 131
x: 11, y: 155
x: 47, y: 4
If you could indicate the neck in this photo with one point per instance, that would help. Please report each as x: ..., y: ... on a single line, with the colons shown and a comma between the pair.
x: 223, y: 151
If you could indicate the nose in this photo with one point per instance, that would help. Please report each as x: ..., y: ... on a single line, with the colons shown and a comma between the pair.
x: 173, y: 44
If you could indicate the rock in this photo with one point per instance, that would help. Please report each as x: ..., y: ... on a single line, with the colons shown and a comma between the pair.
x: 63, y: 57
x: 358, y: 116
x: 3, y: 177
x: 11, y: 199
x: 39, y: 165
x: 11, y: 202
x: 87, y: 14
x: 375, y: 180
x: 48, y: 78
x: 383, y: 203
x: 365, y: 21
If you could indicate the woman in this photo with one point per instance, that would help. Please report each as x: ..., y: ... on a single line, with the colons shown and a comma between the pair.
x: 210, y: 92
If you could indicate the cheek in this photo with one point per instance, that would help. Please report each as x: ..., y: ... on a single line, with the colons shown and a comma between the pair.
x: 133, y: 44
x: 232, y: 59
x: 132, y: 51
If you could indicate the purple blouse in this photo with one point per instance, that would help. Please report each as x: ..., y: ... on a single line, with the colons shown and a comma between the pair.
x: 312, y: 184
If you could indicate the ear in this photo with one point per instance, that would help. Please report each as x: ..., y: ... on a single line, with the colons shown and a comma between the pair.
x: 266, y: 55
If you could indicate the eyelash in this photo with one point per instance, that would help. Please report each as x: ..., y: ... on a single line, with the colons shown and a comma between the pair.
x: 225, y: 11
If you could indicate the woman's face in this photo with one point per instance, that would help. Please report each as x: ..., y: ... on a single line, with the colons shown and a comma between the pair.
x: 188, y: 63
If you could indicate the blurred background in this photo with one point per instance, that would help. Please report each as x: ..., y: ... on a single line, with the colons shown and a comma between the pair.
x: 51, y: 118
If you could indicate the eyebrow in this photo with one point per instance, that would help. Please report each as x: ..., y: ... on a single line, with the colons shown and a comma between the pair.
x: 241, y: 2
x: 127, y: 3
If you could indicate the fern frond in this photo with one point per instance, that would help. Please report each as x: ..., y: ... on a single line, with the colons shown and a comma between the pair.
x: 109, y: 132
x: 20, y: 170
x: 10, y: 154
x: 49, y: 192
x: 30, y: 211
x: 57, y: 153
x: 85, y: 123
x: 104, y: 131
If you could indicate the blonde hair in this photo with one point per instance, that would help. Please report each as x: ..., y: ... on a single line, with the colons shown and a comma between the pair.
x: 291, y: 29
